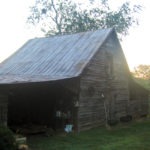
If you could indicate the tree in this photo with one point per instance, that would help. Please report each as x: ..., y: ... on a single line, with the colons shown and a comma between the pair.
x: 142, y: 71
x: 66, y: 16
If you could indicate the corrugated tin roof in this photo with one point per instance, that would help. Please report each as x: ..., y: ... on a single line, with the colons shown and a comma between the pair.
x: 53, y: 58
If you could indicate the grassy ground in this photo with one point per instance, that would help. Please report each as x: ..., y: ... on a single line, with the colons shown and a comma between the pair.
x: 132, y: 136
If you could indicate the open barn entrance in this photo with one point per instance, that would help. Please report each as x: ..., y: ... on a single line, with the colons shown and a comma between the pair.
x: 42, y: 104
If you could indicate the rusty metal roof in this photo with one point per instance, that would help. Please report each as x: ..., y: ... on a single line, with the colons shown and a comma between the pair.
x: 52, y: 58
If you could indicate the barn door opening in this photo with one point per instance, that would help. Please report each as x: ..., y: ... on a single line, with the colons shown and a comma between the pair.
x: 48, y: 104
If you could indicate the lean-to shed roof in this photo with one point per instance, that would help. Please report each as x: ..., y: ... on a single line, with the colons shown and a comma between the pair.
x: 53, y: 58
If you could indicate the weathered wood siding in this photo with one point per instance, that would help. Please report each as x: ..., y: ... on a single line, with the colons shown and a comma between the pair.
x: 3, y: 110
x: 91, y: 109
x: 117, y: 81
x: 106, y: 74
x: 138, y: 100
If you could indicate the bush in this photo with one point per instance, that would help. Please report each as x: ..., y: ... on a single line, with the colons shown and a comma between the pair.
x: 7, y: 139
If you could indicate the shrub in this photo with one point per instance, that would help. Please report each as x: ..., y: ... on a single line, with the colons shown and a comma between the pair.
x: 7, y: 139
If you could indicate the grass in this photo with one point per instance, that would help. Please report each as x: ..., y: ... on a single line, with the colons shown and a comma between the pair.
x: 131, y: 136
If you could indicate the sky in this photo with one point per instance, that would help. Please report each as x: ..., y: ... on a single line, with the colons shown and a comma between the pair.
x: 14, y: 31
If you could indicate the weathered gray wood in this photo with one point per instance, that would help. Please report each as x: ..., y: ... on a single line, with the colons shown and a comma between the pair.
x: 3, y: 110
x: 138, y: 100
x: 107, y: 74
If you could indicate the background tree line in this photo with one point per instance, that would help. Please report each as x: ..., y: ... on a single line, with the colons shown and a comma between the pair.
x: 142, y: 71
x: 142, y: 75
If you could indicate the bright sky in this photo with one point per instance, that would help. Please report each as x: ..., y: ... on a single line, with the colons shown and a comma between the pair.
x: 14, y: 31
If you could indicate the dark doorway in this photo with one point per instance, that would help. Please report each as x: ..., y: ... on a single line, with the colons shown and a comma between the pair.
x: 48, y: 104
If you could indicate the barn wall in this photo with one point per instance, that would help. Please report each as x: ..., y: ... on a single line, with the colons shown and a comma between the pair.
x: 92, y: 84
x: 138, y: 100
x: 104, y: 82
x: 3, y: 109
x: 117, y: 81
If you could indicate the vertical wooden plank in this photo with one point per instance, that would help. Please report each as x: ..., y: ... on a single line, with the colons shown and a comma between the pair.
x: 3, y: 110
x: 107, y: 73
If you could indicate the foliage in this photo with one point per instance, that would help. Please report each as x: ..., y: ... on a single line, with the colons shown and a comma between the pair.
x: 7, y: 139
x: 133, y: 136
x: 66, y: 16
x: 142, y: 71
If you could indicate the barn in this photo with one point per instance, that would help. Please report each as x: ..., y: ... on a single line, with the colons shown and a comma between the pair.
x: 81, y: 79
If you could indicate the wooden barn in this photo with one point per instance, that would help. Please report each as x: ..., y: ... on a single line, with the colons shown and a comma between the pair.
x: 81, y: 79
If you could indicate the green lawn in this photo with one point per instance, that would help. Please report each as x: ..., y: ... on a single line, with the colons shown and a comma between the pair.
x: 131, y: 136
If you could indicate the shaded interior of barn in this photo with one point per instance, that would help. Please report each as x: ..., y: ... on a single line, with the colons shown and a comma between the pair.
x: 50, y: 104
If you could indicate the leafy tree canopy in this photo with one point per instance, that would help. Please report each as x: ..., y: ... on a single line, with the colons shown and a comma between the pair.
x: 142, y: 71
x: 66, y: 16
